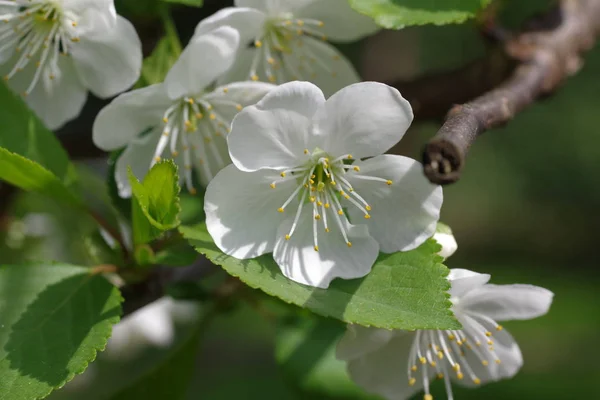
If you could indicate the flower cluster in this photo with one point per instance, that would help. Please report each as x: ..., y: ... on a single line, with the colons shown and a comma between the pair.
x: 262, y: 110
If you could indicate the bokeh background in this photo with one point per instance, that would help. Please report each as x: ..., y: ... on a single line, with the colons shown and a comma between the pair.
x: 526, y: 211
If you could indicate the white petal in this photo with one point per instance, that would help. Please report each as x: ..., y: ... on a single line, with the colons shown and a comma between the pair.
x: 463, y: 281
x: 56, y: 102
x: 508, y: 302
x: 359, y: 340
x: 109, y: 63
x: 405, y: 213
x: 204, y: 59
x: 448, y: 243
x: 365, y: 119
x: 274, y: 7
x: 332, y: 72
x: 300, y: 262
x: 384, y: 371
x: 241, y: 211
x: 129, y: 115
x: 247, y: 21
x: 342, y: 23
x: 138, y: 155
x: 275, y: 132
x: 94, y: 17
x: 243, y: 93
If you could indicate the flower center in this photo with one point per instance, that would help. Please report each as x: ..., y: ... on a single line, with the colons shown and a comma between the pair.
x: 440, y: 353
x: 38, y: 32
x: 322, y: 185
x: 291, y: 49
x: 197, y: 127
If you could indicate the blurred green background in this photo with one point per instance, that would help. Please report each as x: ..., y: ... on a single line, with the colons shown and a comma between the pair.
x: 526, y: 211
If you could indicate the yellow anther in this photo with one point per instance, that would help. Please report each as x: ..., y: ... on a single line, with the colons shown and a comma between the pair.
x: 212, y: 116
x: 333, y: 183
x: 367, y: 216
x: 389, y: 182
x: 349, y: 244
x: 357, y: 169
x: 157, y: 159
x: 188, y: 123
x: 299, y: 32
x: 305, y: 151
x: 225, y: 90
x: 327, y: 205
x: 272, y: 78
x: 312, y: 199
x: 440, y: 376
x: 499, y: 328
x: 319, y: 203
x: 459, y: 342
x: 340, y: 212
x: 423, y: 360
x: 349, y: 157
x: 451, y: 337
x: 239, y: 107
x: 73, y: 24
x: 280, y: 209
x: 287, y: 237
x: 456, y: 367
x: 413, y: 368
x: 460, y: 376
x: 433, y: 363
x: 490, y: 342
x: 324, y: 37
x: 336, y: 58
x: 193, y: 191
x: 174, y: 153
x: 191, y: 101
x: 498, y: 362
x: 254, y: 78
x: 320, y: 24
x: 258, y: 43
x: 477, y: 381
x: 272, y: 185
x: 316, y: 248
x: 485, y: 363
x: 75, y: 39
x: 478, y: 343
x: 440, y: 355
x: 300, y: 22
x: 282, y: 174
x: 317, y: 217
x: 488, y: 334
x: 199, y: 115
x: 412, y: 381
x: 165, y: 120
x: 327, y: 230
x: 271, y: 60
x: 287, y: 22
x: 166, y: 133
x: 428, y: 397
x: 368, y: 208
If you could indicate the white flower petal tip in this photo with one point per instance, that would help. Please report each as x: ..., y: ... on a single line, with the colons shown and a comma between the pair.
x: 290, y: 41
x: 481, y: 352
x: 448, y: 243
x: 103, y: 49
x: 328, y: 212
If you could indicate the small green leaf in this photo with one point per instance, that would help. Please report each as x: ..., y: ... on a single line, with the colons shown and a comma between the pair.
x: 155, y: 202
x: 191, y: 3
x: 397, y: 14
x: 157, y: 65
x: 55, y: 318
x: 31, y: 176
x: 403, y: 291
x: 305, y: 350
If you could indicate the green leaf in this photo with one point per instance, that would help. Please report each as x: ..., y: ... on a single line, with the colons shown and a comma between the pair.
x: 397, y: 14
x: 31, y: 176
x: 191, y: 3
x: 157, y: 65
x: 21, y: 132
x: 170, y: 379
x: 155, y: 202
x: 305, y: 350
x: 403, y: 291
x: 55, y: 318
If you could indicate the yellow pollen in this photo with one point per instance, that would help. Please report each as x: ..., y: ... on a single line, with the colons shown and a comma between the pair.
x: 413, y: 368
x: 499, y: 328
x: 272, y: 79
x: 368, y: 208
x: 75, y: 40
x: 305, y: 151
x: 451, y: 337
x: 280, y: 209
x: 433, y: 363
x: 327, y: 205
x: 74, y: 24
x: 212, y: 116
x: 191, y: 101
x: 327, y: 230
x: 319, y: 203
x: 367, y: 216
x: 440, y: 376
x: 388, y: 182
x: 456, y: 367
x: 460, y: 376
x: 271, y: 60
x: 300, y: 22
x: 317, y: 217
x: 287, y: 237
x: 440, y: 355
x: 254, y: 78
x: 490, y: 342
x: 478, y: 343
x: 193, y: 191
x: 477, y: 381
x: 428, y: 397
x: 258, y: 43
x: 312, y: 199
x: 199, y: 115
x: 488, y: 333
x: 272, y: 185
x: 316, y: 248
x: 349, y: 244
x: 174, y: 153
x: 357, y: 169
x: 239, y: 107
x: 225, y: 90
x: 349, y: 157
x: 321, y: 24
x: 340, y: 212
x: 498, y: 362
x: 282, y: 174
x: 412, y: 381
x: 423, y: 360
x: 333, y: 183
x: 166, y: 133
x: 485, y: 363
x: 165, y: 120
x: 157, y: 159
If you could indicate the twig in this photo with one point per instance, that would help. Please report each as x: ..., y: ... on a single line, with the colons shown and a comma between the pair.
x: 548, y: 53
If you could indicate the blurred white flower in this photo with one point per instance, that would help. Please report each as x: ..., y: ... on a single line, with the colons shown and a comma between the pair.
x: 481, y: 352
x: 300, y: 189
x: 284, y: 40
x: 54, y: 51
x: 445, y: 238
x: 185, y: 115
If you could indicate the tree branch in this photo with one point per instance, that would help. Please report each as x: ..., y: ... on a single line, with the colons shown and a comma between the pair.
x: 548, y: 53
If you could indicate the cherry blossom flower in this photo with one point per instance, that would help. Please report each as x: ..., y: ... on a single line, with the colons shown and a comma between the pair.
x: 445, y: 238
x: 479, y: 353
x: 285, y: 40
x: 185, y: 117
x: 309, y: 183
x: 54, y: 51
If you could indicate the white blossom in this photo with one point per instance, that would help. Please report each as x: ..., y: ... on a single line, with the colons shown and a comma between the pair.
x: 285, y: 40
x: 446, y: 239
x: 54, y: 51
x: 481, y: 352
x: 186, y: 117
x: 309, y: 183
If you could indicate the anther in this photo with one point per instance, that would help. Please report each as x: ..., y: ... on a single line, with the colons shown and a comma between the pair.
x: 423, y: 360
x: 456, y: 367
x: 368, y: 207
x: 485, y: 363
x: 327, y: 230
x: 165, y: 120
x: 316, y: 248
x: 388, y: 182
x: 239, y: 107
x: 498, y: 362
x: 477, y: 381
x: 212, y: 116
x: 157, y: 159
x: 367, y: 216
x: 428, y: 397
x: 193, y: 191
x: 327, y: 206
x: 413, y: 368
x: 488, y: 333
x: 440, y: 355
x: 282, y: 174
x: 305, y: 151
x: 340, y: 212
x: 280, y: 209
x: 357, y: 169
x: 199, y: 115
x: 499, y: 328
x: 174, y: 153
x: 349, y: 244
x: 460, y: 376
x: 258, y: 43
x: 312, y: 199
x: 440, y: 376
x: 287, y: 237
x: 272, y: 185
x: 317, y: 217
x: 412, y: 381
x: 254, y: 78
